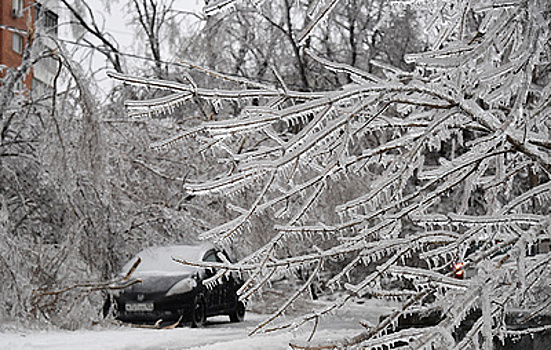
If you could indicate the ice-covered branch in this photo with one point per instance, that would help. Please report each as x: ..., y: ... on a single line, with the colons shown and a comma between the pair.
x: 402, y: 170
x: 290, y: 300
x: 320, y: 15
x: 234, y: 226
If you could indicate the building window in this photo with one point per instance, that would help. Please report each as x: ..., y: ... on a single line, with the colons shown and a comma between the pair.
x: 18, y: 88
x: 17, y: 8
x: 18, y: 43
x: 46, y: 18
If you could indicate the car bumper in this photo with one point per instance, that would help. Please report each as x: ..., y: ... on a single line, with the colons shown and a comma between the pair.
x: 163, y: 308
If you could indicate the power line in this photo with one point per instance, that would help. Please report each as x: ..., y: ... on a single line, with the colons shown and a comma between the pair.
x: 89, y: 46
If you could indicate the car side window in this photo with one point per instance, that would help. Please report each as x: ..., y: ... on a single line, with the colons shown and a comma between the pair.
x: 211, y: 256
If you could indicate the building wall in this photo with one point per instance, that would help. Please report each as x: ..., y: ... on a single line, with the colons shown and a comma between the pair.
x: 9, y: 25
x: 46, y: 68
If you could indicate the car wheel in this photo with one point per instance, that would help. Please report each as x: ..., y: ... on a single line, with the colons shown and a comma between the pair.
x: 238, y: 315
x: 198, y: 315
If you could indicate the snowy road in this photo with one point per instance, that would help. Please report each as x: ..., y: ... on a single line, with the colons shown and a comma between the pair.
x: 219, y: 333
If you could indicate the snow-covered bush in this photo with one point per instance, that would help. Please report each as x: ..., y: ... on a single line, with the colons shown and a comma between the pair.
x: 448, y: 162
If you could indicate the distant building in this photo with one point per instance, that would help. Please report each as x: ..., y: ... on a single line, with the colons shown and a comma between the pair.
x: 18, y: 18
x: 47, y: 21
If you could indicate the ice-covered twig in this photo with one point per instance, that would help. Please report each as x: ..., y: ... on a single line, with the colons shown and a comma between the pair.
x: 321, y: 14
x: 290, y: 300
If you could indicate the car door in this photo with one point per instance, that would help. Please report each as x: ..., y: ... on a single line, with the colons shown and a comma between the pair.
x: 231, y: 284
x: 215, y: 294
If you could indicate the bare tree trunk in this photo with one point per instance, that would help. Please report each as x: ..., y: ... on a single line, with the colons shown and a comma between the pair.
x: 296, y: 50
x: 152, y: 15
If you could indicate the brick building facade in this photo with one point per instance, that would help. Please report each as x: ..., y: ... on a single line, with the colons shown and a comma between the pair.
x: 18, y: 18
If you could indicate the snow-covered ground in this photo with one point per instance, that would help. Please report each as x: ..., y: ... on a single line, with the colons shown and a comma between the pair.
x: 218, y: 334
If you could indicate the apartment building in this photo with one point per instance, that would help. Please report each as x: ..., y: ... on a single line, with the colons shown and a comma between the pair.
x: 18, y: 18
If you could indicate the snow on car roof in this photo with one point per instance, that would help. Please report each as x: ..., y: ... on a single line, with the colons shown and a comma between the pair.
x: 159, y: 259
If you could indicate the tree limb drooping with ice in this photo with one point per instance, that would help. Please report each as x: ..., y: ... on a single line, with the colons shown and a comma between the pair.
x: 396, y: 176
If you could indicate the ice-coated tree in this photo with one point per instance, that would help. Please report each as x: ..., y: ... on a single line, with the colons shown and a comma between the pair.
x: 447, y: 162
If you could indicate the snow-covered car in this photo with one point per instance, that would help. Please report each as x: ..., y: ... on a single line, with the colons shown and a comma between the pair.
x: 159, y: 288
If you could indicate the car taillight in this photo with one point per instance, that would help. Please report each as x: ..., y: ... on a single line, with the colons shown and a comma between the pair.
x: 458, y: 270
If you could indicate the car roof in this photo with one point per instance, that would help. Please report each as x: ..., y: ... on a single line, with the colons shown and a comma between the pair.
x: 159, y: 259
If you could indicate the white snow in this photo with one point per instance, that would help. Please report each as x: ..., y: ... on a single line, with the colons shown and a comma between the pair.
x: 219, y: 333
x: 157, y: 260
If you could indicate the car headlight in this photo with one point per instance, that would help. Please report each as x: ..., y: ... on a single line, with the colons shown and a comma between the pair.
x: 184, y: 286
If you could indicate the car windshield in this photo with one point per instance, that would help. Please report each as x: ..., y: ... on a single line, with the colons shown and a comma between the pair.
x: 159, y: 260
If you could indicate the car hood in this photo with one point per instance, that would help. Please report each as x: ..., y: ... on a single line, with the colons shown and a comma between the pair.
x: 154, y: 282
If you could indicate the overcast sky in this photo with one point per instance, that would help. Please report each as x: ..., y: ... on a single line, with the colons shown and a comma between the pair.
x: 117, y: 21
x: 118, y: 18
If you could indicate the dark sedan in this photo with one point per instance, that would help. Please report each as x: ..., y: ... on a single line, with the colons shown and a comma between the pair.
x: 164, y: 290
